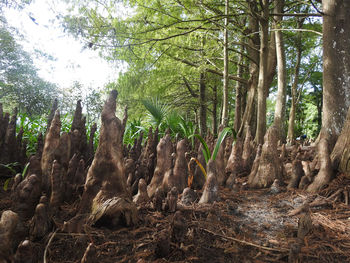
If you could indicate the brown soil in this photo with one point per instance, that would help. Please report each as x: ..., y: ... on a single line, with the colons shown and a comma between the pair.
x: 243, y: 226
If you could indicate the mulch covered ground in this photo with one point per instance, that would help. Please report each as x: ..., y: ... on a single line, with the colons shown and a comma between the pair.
x: 244, y: 226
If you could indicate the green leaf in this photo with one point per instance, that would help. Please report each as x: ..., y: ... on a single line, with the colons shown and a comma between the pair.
x: 206, y: 151
x: 25, y: 170
x: 220, y: 139
x: 6, y: 184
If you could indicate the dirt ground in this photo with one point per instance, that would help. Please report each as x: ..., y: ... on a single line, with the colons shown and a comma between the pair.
x: 244, y: 226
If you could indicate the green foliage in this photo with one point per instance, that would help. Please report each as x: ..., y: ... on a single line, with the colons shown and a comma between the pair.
x: 20, y: 84
x: 132, y: 131
x: 206, y: 152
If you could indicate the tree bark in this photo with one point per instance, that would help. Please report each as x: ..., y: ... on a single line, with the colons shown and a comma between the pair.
x: 280, y: 107
x: 290, y: 135
x: 239, y: 97
x: 264, y: 52
x: 203, y: 105
x: 215, y: 104
x: 224, y: 120
x: 252, y: 50
x: 336, y: 67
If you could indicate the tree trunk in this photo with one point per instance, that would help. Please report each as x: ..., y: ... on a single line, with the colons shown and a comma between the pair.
x: 224, y: 120
x: 290, y: 135
x: 336, y: 67
x: 203, y: 105
x: 239, y: 97
x: 252, y: 50
x: 280, y: 107
x: 215, y: 104
x: 264, y: 52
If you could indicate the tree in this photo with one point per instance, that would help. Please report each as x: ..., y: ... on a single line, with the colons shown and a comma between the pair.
x: 336, y: 67
x: 20, y: 85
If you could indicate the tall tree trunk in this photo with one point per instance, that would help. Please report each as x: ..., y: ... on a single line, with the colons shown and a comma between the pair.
x: 290, y: 135
x: 264, y: 52
x: 336, y: 67
x: 215, y: 104
x: 224, y: 120
x: 239, y: 95
x: 202, y: 105
x: 280, y: 107
x: 252, y: 50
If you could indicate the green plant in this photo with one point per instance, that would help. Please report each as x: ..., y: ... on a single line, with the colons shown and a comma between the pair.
x: 133, y: 130
x: 206, y: 151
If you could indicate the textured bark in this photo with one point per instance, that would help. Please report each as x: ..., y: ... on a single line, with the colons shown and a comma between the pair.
x: 9, y: 153
x: 40, y: 224
x: 171, y: 200
x: 52, y: 141
x: 325, y: 175
x: 341, y: 152
x: 336, y: 67
x: 270, y: 167
x: 91, y: 150
x: 8, y: 224
x: 26, y: 196
x: 297, y: 174
x: 164, y: 164
x: 221, y: 165
x: 56, y: 185
x: 188, y: 196
x: 234, y: 163
x: 52, y: 114
x: 141, y: 197
x: 106, y: 199
x: 180, y: 168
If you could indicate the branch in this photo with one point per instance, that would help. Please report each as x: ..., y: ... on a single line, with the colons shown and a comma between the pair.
x: 188, y: 86
x: 297, y: 14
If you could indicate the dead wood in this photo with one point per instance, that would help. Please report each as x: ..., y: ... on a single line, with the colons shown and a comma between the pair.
x: 270, y: 167
x: 52, y: 141
x: 90, y: 254
x: 211, y: 187
x: 164, y: 164
x: 325, y: 175
x: 106, y: 198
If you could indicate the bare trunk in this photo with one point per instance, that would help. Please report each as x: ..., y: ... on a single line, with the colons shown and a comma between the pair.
x: 203, y: 106
x: 336, y: 67
x: 264, y: 52
x: 290, y: 135
x: 215, y: 104
x: 280, y: 107
x: 224, y: 119
x: 252, y: 50
x: 239, y: 97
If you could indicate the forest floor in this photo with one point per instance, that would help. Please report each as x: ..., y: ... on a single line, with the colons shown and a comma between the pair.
x: 244, y: 226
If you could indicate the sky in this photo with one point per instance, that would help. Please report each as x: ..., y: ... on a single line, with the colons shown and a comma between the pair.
x: 72, y: 62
